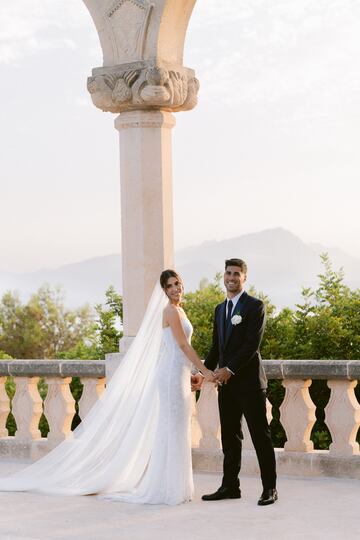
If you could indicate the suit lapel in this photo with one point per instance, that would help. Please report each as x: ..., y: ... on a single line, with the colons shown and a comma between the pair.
x: 237, y: 311
x: 221, y: 323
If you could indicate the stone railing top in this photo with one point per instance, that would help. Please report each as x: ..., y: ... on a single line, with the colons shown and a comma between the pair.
x: 275, y: 369
x: 312, y: 369
x: 53, y: 368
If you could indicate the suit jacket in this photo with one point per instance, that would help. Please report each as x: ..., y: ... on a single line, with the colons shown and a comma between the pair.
x: 239, y: 351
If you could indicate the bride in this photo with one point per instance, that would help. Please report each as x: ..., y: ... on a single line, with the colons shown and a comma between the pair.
x: 135, y: 443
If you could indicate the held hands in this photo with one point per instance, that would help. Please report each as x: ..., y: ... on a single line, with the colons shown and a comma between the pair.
x: 219, y: 377
x: 196, y: 381
x: 222, y: 375
x: 208, y: 375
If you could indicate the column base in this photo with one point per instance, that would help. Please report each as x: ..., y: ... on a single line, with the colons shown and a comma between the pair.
x: 125, y: 344
x: 112, y: 360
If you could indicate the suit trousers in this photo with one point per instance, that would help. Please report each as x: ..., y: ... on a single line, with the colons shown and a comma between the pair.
x: 233, y: 404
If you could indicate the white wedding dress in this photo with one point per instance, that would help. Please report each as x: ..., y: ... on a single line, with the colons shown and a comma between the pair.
x: 135, y: 443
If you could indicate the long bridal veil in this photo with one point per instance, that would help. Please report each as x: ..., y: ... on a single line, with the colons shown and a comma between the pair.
x: 111, y: 447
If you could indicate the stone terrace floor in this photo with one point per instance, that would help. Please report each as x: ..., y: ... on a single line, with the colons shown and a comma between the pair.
x: 308, y: 508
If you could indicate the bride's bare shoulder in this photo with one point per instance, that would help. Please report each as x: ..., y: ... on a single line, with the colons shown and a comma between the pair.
x: 171, y: 312
x: 170, y: 309
x: 168, y: 315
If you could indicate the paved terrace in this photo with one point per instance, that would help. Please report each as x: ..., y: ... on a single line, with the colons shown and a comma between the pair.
x: 308, y: 508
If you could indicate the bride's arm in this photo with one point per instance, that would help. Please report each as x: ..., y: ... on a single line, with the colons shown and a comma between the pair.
x: 172, y: 318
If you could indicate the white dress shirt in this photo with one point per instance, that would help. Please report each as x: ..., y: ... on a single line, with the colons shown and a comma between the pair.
x: 234, y: 301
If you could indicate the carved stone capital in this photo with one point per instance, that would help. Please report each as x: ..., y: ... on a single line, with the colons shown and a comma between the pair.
x: 143, y: 86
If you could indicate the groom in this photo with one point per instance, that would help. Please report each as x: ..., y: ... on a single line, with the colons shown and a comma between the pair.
x: 238, y: 329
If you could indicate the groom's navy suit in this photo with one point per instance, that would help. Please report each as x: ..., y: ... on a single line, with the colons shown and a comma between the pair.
x: 236, y: 346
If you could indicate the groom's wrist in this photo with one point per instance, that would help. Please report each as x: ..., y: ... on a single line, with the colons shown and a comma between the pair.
x: 229, y: 370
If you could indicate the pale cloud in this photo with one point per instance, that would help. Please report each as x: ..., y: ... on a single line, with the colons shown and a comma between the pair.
x: 271, y: 51
x: 29, y: 27
x: 265, y: 69
x: 82, y: 101
x: 14, y: 51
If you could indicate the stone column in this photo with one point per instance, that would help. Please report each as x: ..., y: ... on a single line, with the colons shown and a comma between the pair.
x: 145, y: 95
x: 146, y: 208
x: 143, y: 79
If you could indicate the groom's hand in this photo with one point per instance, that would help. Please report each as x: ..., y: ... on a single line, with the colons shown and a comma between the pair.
x: 222, y: 375
x: 196, y: 381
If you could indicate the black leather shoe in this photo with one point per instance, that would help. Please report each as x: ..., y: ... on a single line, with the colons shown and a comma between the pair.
x: 268, y: 496
x: 223, y: 493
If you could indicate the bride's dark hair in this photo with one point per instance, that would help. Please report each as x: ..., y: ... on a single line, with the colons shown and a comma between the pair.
x: 166, y: 274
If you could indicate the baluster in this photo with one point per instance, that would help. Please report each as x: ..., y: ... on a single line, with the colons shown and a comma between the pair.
x: 297, y: 415
x: 59, y: 408
x: 208, y: 417
x: 4, y: 407
x: 27, y: 408
x: 92, y: 390
x: 342, y: 416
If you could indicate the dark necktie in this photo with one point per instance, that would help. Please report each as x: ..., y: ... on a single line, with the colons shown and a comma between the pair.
x: 228, y: 319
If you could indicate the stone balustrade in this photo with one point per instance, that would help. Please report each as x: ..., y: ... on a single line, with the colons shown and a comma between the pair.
x: 297, y: 417
x: 297, y: 413
x: 58, y: 406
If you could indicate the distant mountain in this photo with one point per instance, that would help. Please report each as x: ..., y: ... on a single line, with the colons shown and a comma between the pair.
x: 279, y: 264
x: 83, y: 282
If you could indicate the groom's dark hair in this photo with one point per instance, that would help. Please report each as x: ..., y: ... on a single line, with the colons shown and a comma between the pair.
x: 237, y: 262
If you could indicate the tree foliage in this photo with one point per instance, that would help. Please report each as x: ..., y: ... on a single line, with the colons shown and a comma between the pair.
x: 109, y: 322
x: 325, y: 325
x: 43, y: 327
x: 199, y: 307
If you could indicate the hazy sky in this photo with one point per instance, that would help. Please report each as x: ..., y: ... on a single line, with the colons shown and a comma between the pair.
x: 273, y: 142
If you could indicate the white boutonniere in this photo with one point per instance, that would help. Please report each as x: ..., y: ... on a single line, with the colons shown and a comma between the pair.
x: 236, y: 319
